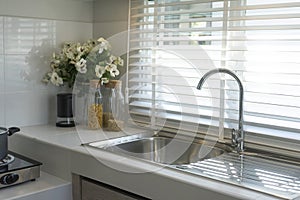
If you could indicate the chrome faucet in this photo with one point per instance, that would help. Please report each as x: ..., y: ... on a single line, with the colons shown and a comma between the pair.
x: 237, y: 137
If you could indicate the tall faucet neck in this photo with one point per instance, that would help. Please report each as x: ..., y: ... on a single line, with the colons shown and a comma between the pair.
x: 220, y: 70
x: 241, y: 100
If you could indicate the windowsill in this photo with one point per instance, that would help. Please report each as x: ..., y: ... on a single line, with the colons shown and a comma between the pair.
x: 273, y: 133
x: 276, y: 141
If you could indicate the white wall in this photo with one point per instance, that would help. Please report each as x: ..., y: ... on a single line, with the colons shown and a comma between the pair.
x: 29, y: 32
x: 71, y: 10
x: 110, y: 17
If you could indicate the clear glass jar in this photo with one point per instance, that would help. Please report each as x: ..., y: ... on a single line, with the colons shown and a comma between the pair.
x: 107, y: 103
x: 113, y: 106
x: 95, y: 105
x: 118, y: 108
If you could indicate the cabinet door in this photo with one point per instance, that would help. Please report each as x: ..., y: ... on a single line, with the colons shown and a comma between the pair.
x: 95, y: 191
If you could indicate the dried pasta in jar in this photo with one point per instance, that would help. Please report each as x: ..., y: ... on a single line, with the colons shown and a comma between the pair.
x: 95, y: 116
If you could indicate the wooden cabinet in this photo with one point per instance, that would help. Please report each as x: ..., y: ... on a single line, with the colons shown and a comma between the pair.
x: 87, y: 189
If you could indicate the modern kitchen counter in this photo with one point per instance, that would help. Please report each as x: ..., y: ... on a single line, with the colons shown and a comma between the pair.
x: 46, y: 187
x: 62, y: 154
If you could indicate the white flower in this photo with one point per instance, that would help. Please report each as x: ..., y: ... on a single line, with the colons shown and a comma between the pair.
x: 78, y: 58
x: 110, y: 67
x: 103, y: 45
x: 91, y: 43
x: 72, y: 60
x: 81, y: 66
x: 101, y: 39
x: 70, y: 54
x: 80, y: 49
x: 47, y: 77
x: 114, y: 72
x: 56, y: 62
x: 112, y: 58
x: 55, y: 79
x: 120, y: 61
x: 104, y: 80
x: 116, y: 60
x: 67, y: 44
x: 99, y: 71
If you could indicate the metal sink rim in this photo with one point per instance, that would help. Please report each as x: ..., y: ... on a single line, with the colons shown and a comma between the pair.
x: 213, y: 148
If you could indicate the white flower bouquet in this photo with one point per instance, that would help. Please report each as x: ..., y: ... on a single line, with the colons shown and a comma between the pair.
x: 93, y: 59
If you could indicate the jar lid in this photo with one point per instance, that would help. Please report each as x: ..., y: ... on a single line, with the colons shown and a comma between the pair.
x: 95, y: 83
x: 113, y: 84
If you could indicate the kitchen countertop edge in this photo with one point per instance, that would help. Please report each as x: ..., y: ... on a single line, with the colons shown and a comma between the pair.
x: 67, y: 143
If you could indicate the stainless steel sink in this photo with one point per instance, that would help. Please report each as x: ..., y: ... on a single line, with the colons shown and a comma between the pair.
x: 258, y: 170
x: 162, y: 149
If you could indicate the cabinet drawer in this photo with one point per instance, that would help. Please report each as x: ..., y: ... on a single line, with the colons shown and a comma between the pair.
x: 92, y: 190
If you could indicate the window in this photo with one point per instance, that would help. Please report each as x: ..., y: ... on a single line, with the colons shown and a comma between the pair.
x: 174, y: 42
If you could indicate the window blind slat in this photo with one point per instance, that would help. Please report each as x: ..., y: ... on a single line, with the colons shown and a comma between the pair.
x: 174, y: 42
x: 172, y: 3
x: 265, y: 6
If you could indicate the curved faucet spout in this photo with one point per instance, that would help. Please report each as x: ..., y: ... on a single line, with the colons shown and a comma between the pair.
x: 237, y: 139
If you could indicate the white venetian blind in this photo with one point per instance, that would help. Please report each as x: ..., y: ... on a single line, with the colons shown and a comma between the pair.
x: 174, y: 42
x: 263, y: 46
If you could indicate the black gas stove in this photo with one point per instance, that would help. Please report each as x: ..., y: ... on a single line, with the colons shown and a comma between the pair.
x: 16, y: 169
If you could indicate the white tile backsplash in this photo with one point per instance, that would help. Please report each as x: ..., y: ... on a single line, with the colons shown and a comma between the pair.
x: 30, y: 30
x: 21, y: 76
x: 26, y: 35
x: 1, y: 74
x: 28, y: 46
x: 29, y: 108
x: 2, y: 99
x: 22, y: 34
x: 2, y: 110
x: 1, y: 34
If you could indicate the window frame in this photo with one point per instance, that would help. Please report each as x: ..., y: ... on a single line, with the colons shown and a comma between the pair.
x: 255, y: 135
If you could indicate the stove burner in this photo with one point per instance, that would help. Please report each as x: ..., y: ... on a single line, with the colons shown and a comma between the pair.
x: 9, y: 158
x: 15, y: 169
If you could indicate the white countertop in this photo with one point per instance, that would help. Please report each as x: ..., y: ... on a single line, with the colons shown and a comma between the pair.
x: 46, y: 183
x: 52, y: 145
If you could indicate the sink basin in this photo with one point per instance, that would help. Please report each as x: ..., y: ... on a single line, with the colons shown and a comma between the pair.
x: 259, y: 170
x: 163, y: 150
